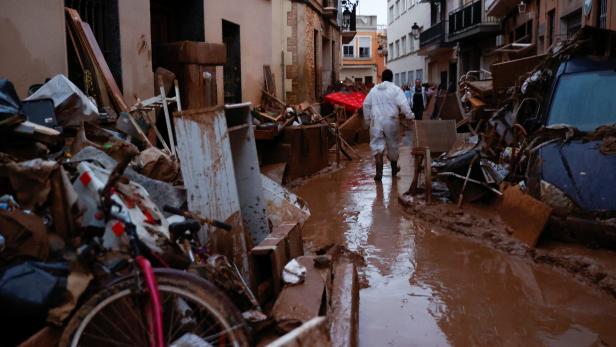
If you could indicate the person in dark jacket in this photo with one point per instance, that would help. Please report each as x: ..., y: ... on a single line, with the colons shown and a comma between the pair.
x: 418, y: 100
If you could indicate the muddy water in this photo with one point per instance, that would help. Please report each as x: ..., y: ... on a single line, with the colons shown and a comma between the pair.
x: 430, y: 287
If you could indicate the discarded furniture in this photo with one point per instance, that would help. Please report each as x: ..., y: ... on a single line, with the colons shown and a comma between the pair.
x: 194, y: 63
x: 272, y: 254
x: 302, y: 302
x: 308, y: 150
x: 204, y: 150
x: 430, y: 136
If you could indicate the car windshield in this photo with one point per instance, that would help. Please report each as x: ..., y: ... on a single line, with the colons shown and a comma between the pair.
x: 585, y: 100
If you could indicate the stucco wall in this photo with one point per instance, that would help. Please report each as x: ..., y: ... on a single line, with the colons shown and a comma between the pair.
x: 255, y: 20
x: 136, y: 50
x: 25, y: 57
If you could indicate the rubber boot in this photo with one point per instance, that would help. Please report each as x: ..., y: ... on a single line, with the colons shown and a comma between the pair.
x: 379, y: 167
x: 394, y: 168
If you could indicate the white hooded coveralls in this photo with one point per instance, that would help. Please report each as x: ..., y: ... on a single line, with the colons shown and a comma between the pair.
x: 381, y: 109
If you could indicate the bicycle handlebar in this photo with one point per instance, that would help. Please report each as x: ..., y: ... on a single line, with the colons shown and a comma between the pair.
x: 197, y: 217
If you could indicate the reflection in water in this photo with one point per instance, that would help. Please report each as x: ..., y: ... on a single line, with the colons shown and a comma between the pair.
x: 429, y: 287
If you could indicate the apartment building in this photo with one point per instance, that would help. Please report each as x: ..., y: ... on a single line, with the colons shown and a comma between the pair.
x: 538, y: 25
x: 362, y: 61
x: 403, y: 45
x: 306, y: 41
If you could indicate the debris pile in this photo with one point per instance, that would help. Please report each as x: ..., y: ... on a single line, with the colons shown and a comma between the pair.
x: 93, y: 191
x: 522, y: 137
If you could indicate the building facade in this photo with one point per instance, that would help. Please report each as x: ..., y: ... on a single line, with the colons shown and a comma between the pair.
x: 306, y: 42
x: 539, y: 25
x: 402, y: 45
x: 362, y: 60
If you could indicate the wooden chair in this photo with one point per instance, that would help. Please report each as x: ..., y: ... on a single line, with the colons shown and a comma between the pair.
x: 429, y: 136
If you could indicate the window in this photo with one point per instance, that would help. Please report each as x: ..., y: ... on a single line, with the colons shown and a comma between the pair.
x: 403, y: 45
x: 368, y: 80
x: 573, y: 22
x: 402, y: 78
x: 390, y: 52
x: 397, y: 79
x: 397, y: 8
x: 348, y: 51
x: 551, y: 17
x: 358, y: 80
x: 364, y: 47
x: 411, y: 44
x: 410, y: 77
x: 397, y: 49
x: 391, y: 14
x: 419, y: 75
x: 602, y: 14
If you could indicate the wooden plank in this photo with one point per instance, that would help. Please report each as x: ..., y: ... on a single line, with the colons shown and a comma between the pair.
x: 270, y: 82
x: 438, y: 135
x: 526, y: 215
x: 86, y: 37
x: 312, y: 333
x: 192, y: 52
x: 506, y: 74
x: 302, y: 302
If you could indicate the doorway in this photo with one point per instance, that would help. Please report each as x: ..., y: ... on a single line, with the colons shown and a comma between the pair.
x: 233, y: 68
x: 453, y: 76
x: 172, y: 21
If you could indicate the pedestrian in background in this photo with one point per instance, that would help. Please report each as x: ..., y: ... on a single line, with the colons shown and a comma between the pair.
x: 382, y: 108
x: 418, y: 100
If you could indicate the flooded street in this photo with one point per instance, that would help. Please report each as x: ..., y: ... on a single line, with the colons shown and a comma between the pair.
x: 430, y: 287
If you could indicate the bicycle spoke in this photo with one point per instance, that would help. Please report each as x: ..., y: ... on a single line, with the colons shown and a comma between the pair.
x: 210, y: 339
x: 127, y: 323
x: 103, y: 315
x: 106, y: 340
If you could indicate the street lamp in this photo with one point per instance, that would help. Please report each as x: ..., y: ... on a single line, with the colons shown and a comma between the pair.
x: 346, y: 19
x: 522, y: 7
x: 415, y: 30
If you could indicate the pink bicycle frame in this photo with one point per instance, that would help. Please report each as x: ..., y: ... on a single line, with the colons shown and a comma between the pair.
x: 155, y: 325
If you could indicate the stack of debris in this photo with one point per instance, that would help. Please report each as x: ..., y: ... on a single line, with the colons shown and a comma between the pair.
x: 516, y: 148
x: 68, y: 157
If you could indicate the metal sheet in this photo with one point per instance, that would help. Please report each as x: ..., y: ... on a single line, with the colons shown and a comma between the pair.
x: 205, y: 156
x: 247, y: 173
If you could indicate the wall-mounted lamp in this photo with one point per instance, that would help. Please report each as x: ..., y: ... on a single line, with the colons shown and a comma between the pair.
x: 522, y: 7
x: 416, y: 30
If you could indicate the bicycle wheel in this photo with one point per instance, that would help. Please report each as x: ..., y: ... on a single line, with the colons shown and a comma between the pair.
x: 192, y: 307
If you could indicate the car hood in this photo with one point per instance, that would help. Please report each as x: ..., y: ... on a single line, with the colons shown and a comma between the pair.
x: 582, y: 172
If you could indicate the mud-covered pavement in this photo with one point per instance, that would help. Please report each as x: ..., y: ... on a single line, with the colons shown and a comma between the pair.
x: 426, y: 286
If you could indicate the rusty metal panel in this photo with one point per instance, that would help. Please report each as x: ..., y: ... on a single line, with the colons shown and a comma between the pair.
x: 246, y: 168
x: 205, y: 156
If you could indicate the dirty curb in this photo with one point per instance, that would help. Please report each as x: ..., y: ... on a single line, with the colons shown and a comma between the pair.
x: 495, y: 234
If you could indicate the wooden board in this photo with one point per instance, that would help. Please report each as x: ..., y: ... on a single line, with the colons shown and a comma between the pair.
x: 526, y: 215
x: 438, y: 135
x: 85, y: 37
x: 302, y: 302
x: 192, y: 52
x: 506, y: 74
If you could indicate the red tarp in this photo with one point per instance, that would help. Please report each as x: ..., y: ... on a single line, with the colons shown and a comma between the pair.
x: 351, y: 101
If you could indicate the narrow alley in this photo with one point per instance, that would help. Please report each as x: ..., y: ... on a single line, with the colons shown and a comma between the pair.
x: 430, y: 287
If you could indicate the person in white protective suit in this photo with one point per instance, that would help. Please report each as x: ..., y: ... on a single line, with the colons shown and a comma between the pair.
x: 382, y: 106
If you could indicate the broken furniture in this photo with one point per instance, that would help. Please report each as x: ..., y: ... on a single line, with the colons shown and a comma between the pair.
x: 272, y: 254
x: 429, y: 136
x: 194, y: 63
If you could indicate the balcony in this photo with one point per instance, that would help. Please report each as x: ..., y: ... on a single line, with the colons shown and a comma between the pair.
x: 471, y: 21
x: 500, y: 8
x: 433, y: 40
x: 330, y: 8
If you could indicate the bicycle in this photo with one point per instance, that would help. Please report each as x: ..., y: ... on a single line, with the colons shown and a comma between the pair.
x: 149, y: 306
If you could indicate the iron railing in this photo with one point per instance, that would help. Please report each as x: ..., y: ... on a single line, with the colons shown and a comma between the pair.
x: 467, y: 17
x: 435, y: 33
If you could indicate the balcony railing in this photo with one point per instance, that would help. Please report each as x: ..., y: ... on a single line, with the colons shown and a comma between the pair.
x: 468, y: 17
x: 435, y: 33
